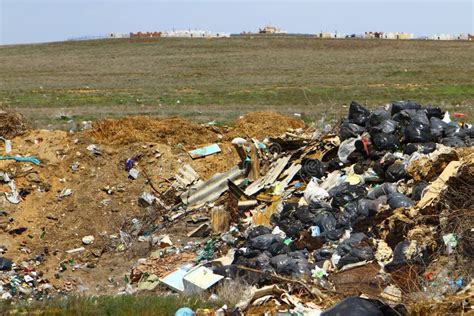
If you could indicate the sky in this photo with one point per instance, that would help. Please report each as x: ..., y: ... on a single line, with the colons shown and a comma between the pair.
x: 33, y: 21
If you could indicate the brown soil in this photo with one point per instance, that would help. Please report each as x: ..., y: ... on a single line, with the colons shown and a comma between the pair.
x: 264, y: 124
x: 56, y: 224
x: 172, y: 131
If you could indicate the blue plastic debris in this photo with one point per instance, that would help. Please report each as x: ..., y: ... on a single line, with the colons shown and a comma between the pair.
x: 205, y: 151
x: 31, y: 159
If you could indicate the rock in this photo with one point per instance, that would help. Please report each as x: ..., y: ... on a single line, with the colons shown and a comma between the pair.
x: 87, y: 240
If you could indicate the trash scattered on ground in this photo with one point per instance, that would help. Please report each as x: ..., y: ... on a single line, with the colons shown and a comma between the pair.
x: 372, y: 216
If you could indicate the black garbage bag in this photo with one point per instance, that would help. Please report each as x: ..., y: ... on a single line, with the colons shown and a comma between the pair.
x: 354, y: 249
x: 404, y: 105
x: 5, y: 264
x: 263, y: 242
x: 247, y: 253
x: 383, y: 141
x: 367, y: 207
x: 262, y: 261
x: 291, y: 226
x: 326, y: 222
x: 358, y: 114
x: 345, y: 193
x: 378, y: 116
x: 278, y: 248
x: 258, y: 230
x: 404, y: 117
x: 349, y: 214
x: 386, y: 127
x: 417, y: 192
x: 397, y: 200
x: 304, y: 215
x: 405, y: 252
x: 284, y: 264
x: 434, y: 112
x: 424, y: 148
x: 453, y: 142
x: 358, y: 306
x: 417, y: 132
x: 453, y: 130
x: 322, y: 254
x: 421, y: 117
x: 395, y: 172
x: 437, y: 127
x: 332, y: 235
x: 350, y: 130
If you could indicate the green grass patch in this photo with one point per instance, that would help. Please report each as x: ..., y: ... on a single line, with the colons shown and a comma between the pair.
x: 106, y: 305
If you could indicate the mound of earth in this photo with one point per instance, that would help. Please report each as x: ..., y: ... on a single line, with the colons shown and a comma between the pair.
x: 263, y: 124
x: 171, y: 131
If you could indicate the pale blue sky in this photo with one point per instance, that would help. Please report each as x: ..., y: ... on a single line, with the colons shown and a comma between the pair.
x: 30, y: 21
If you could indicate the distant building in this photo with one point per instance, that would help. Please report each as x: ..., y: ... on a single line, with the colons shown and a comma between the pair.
x: 271, y: 30
x: 145, y: 34
x: 194, y: 34
x: 119, y: 35
x: 330, y: 35
x: 389, y: 35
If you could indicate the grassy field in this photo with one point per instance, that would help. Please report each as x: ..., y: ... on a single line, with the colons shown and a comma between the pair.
x: 142, y: 305
x: 219, y: 79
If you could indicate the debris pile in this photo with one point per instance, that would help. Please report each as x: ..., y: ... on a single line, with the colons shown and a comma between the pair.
x: 374, y: 215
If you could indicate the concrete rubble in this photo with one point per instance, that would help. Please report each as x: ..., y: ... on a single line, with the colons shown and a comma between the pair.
x: 374, y: 216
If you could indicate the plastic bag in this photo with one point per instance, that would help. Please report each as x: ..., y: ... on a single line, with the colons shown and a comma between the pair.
x: 258, y: 230
x: 437, y: 127
x: 350, y: 130
x: 418, y: 188
x: 378, y: 116
x: 357, y: 306
x: 326, y: 221
x: 358, y: 114
x: 285, y: 264
x: 453, y: 142
x: 434, y: 112
x: 354, y: 249
x: 424, y: 148
x: 262, y: 242
x: 404, y: 105
x: 404, y: 252
x: 346, y: 148
x: 396, y: 172
x: 421, y: 117
x: 384, y: 141
x: 387, y: 127
x: 416, y: 132
x: 397, y: 200
x: 383, y: 189
x: 345, y: 193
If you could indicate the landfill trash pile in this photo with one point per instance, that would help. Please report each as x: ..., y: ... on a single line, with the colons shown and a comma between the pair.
x: 374, y: 215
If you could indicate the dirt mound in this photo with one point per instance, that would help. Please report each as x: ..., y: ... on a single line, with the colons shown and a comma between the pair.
x: 172, y: 131
x: 12, y: 123
x: 263, y: 124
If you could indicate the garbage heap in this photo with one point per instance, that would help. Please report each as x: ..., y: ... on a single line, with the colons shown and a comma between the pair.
x: 374, y: 214
x: 378, y: 210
